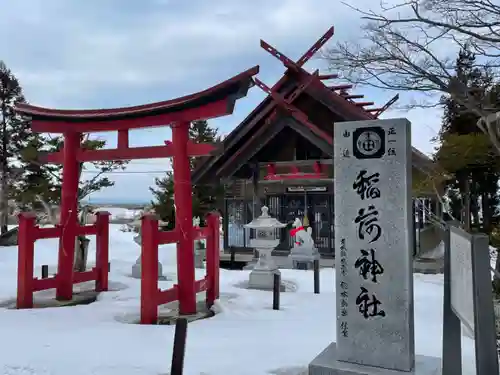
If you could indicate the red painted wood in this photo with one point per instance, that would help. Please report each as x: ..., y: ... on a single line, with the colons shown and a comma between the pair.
x: 167, y: 295
x: 44, y: 284
x: 86, y: 230
x: 82, y: 277
x: 102, y: 251
x: 316, y: 46
x: 294, y: 176
x: 170, y: 236
x: 294, y: 111
x: 347, y: 96
x: 145, y: 109
x: 42, y: 233
x: 184, y: 220
x: 212, y: 255
x: 68, y: 217
x: 26, y: 251
x: 123, y: 140
x: 340, y: 87
x: 146, y: 152
x: 149, y: 270
x: 324, y: 77
x: 206, y: 112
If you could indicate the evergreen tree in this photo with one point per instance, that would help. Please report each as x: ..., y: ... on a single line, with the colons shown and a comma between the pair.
x: 163, y: 202
x: 14, y: 134
x: 205, y: 198
x: 466, y: 152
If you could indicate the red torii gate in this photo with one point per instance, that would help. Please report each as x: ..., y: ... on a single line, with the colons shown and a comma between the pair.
x: 178, y: 113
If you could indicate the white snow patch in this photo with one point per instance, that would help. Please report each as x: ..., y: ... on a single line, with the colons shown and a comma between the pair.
x: 245, y: 337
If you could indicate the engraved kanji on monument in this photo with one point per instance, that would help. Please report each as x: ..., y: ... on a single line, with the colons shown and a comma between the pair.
x: 373, y: 240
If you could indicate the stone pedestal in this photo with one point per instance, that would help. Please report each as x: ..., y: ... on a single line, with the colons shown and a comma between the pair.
x: 262, y: 275
x: 263, y: 280
x: 136, y: 270
x: 326, y: 363
x: 199, y: 255
x: 303, y: 258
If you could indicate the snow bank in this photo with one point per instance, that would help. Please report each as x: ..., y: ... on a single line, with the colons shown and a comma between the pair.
x: 246, y: 337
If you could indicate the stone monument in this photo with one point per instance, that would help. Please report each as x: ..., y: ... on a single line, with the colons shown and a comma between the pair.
x: 199, y: 248
x: 303, y: 252
x: 262, y: 274
x: 373, y: 241
x: 468, y: 301
x: 136, y: 268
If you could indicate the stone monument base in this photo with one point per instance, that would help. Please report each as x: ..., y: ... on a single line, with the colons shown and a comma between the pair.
x: 303, y: 260
x: 136, y: 270
x: 327, y: 364
x: 263, y: 280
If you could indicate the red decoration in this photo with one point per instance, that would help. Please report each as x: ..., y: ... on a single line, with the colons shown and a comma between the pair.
x: 294, y: 174
x: 29, y: 232
x: 317, y: 81
x: 294, y: 231
x: 151, y: 296
x: 178, y: 113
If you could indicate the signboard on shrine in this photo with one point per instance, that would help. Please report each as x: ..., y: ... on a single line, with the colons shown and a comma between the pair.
x: 373, y: 238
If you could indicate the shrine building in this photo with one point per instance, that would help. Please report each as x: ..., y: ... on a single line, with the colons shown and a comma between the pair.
x: 281, y: 156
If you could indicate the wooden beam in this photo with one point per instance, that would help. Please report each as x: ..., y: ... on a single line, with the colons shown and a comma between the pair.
x: 299, y: 163
x: 294, y: 111
x: 147, y: 152
x: 208, y: 111
x: 340, y: 87
x: 261, y: 138
x: 324, y: 77
x: 362, y: 104
x: 347, y: 96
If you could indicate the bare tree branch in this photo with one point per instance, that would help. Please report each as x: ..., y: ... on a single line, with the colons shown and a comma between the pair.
x: 411, y: 46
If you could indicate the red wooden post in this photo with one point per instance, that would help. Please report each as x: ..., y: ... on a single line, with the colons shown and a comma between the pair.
x: 216, y: 254
x: 68, y: 217
x: 102, y: 251
x: 210, y: 254
x: 25, y: 261
x: 183, y: 218
x: 149, y: 270
x: 213, y: 248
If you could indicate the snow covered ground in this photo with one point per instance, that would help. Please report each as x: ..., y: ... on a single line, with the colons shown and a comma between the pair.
x: 246, y: 337
x: 120, y: 212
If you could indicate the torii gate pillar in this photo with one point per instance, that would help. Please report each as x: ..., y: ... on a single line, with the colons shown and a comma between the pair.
x: 183, y: 217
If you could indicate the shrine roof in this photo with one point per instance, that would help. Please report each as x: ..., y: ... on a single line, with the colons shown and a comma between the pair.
x: 340, y: 109
x: 229, y: 90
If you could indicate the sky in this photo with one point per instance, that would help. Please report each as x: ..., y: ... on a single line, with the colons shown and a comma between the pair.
x: 115, y: 53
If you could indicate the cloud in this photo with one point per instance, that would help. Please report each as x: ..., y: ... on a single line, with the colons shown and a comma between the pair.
x: 89, y: 54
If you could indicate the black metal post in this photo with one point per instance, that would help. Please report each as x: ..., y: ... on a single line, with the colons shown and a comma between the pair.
x: 45, y: 271
x: 316, y: 276
x: 276, y: 291
x: 232, y: 251
x: 177, y: 367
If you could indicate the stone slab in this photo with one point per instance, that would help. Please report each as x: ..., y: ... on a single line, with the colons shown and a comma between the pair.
x: 373, y: 238
x: 462, y: 294
x: 136, y: 270
x: 326, y: 363
x: 263, y: 280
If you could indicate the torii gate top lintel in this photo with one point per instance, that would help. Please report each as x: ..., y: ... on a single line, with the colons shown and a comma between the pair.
x: 215, y: 101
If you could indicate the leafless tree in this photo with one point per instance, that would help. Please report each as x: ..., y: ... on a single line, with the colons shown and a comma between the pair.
x: 411, y: 46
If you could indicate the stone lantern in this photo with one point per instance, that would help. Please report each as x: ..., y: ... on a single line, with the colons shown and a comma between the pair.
x: 264, y: 240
